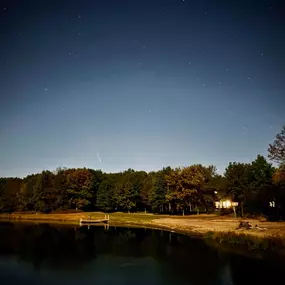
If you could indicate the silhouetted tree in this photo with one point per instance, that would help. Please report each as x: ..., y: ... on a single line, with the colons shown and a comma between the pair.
x: 277, y: 149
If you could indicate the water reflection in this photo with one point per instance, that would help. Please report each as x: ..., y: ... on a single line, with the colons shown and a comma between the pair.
x: 53, y: 254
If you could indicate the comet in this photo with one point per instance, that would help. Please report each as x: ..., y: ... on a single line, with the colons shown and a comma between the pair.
x: 98, y: 157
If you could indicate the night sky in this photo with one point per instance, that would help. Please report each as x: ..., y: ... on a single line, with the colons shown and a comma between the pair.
x: 140, y: 84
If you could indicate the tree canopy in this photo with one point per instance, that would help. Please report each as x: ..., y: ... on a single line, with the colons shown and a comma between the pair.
x: 185, y: 190
x: 276, y: 151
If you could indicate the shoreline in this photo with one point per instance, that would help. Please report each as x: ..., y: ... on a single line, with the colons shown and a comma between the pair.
x: 213, y: 229
x: 196, y: 224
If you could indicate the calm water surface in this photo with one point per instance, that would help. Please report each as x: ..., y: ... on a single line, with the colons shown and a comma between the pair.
x: 52, y: 254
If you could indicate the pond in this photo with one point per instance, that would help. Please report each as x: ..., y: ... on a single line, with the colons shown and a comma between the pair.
x: 61, y: 254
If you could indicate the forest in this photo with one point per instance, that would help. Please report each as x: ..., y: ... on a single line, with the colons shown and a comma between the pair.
x: 184, y: 190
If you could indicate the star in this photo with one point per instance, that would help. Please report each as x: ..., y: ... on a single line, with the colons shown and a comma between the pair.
x: 245, y: 128
x: 204, y: 85
x: 248, y: 78
x: 227, y: 70
x: 206, y: 13
x: 189, y: 62
x: 262, y: 54
x: 70, y: 53
x: 162, y: 13
x: 220, y: 82
x: 5, y: 9
x: 45, y: 89
x: 78, y: 16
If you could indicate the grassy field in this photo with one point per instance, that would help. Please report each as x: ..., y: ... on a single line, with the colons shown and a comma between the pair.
x: 195, y: 224
x: 115, y: 218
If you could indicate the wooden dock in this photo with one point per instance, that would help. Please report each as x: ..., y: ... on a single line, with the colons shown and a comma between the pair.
x: 97, y: 221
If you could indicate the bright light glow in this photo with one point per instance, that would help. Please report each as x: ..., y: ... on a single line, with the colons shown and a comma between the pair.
x: 272, y: 204
x: 227, y: 204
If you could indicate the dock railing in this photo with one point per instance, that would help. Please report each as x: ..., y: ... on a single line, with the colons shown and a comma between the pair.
x: 95, y: 221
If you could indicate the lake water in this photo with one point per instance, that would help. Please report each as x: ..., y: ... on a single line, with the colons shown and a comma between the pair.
x: 53, y: 254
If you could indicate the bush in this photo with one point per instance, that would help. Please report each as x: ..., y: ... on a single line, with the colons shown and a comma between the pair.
x: 67, y: 211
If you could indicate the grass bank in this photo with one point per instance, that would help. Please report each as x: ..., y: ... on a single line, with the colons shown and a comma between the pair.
x: 267, y: 236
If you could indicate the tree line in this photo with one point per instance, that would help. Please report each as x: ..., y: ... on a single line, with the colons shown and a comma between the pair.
x: 191, y: 189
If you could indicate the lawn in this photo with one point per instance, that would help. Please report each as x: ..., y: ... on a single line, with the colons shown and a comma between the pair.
x: 195, y: 224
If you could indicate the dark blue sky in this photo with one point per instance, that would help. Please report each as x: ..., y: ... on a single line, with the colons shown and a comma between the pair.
x: 139, y: 84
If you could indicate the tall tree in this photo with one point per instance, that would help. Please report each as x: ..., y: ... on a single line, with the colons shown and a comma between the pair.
x: 38, y: 193
x: 187, y: 186
x: 159, y: 189
x: 279, y: 176
x: 237, y: 176
x: 125, y: 196
x: 97, y: 177
x: 145, y: 191
x: 277, y: 149
x: 80, y: 188
x: 138, y: 179
x: 158, y: 192
x: 9, y: 191
x: 217, y: 186
x: 260, y: 184
x: 278, y: 194
x: 105, y: 195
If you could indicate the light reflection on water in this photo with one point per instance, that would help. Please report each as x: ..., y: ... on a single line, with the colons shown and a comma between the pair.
x: 60, y: 254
